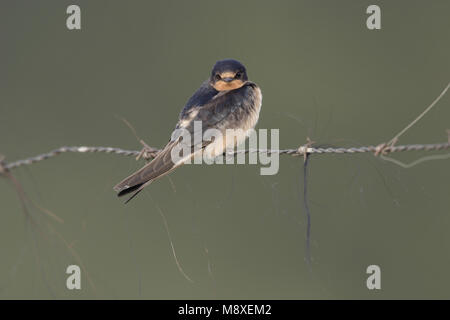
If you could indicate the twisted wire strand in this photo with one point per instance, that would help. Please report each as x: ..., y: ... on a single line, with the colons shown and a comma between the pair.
x: 302, y: 150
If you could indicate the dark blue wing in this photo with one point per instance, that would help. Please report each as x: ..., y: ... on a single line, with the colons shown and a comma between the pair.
x: 201, y: 97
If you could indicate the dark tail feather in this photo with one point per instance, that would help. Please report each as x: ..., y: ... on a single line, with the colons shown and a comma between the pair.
x: 126, y: 191
x: 134, y: 194
x: 157, y: 168
x: 136, y: 189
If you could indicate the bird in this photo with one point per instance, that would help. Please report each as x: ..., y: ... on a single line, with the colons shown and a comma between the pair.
x: 226, y: 100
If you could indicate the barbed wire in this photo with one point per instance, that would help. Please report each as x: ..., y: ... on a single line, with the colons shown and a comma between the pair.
x: 149, y: 154
x: 307, y: 149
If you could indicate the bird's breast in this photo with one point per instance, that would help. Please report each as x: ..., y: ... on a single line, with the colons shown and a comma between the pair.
x: 251, y: 108
x: 246, y: 110
x: 243, y: 119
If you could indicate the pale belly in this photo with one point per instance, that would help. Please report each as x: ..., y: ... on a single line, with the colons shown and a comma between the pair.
x: 234, y: 137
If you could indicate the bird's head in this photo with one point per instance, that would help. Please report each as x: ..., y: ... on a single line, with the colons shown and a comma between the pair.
x: 228, y: 74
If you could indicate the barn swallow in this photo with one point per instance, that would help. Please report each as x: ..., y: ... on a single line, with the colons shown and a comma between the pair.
x: 227, y: 100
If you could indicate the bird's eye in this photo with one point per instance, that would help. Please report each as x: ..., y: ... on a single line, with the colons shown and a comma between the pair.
x: 238, y: 75
x: 217, y: 77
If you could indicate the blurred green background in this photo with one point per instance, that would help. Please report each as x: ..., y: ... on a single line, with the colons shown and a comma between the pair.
x: 236, y: 234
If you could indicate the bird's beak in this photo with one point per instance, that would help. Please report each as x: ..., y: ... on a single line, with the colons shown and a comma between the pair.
x: 227, y: 79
